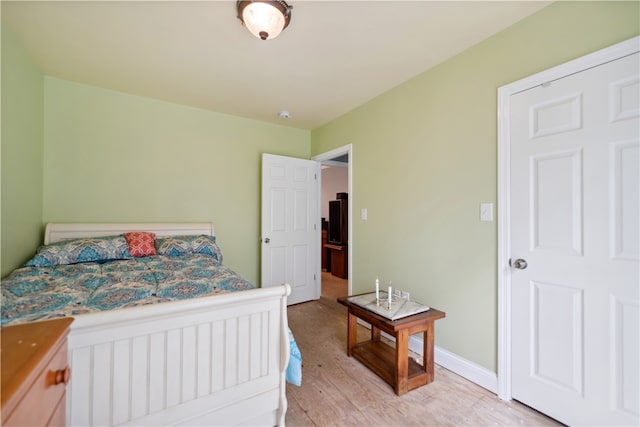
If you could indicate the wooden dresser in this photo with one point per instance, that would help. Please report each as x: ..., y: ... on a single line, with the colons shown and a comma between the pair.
x: 338, y: 259
x: 35, y: 372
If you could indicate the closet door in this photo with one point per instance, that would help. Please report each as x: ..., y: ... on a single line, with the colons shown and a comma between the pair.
x: 574, y: 205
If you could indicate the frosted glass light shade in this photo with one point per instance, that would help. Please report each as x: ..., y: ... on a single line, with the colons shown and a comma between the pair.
x: 264, y: 19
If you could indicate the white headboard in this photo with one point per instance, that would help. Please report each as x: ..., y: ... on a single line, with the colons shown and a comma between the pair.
x: 59, y: 231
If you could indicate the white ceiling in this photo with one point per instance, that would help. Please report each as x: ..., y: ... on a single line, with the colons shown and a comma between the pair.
x: 333, y: 57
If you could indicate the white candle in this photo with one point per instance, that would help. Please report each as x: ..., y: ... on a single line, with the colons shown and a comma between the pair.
x: 377, y: 289
x: 389, y: 292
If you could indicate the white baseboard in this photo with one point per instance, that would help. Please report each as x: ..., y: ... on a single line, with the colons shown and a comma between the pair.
x: 454, y: 363
x: 465, y: 368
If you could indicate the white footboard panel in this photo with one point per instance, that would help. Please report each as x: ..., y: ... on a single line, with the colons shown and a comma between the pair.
x: 216, y: 361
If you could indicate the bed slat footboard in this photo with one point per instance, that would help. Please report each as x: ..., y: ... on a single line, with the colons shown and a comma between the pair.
x: 216, y: 361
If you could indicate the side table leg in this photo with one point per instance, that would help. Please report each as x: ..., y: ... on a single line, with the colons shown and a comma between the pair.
x: 402, y: 362
x: 352, y: 332
x: 375, y: 333
x: 427, y: 351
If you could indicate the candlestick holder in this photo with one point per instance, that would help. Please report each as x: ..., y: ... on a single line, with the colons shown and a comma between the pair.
x: 381, y: 300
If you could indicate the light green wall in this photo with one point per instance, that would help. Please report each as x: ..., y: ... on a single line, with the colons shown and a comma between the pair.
x: 115, y: 157
x: 22, y: 154
x: 424, y: 158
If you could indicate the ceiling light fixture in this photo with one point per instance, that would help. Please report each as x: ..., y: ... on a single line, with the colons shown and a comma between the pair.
x: 265, y: 19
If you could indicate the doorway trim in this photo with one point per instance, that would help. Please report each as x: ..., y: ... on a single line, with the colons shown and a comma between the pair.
x: 325, y: 157
x: 595, y: 59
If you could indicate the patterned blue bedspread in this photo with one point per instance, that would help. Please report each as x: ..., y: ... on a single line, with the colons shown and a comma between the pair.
x: 38, y: 293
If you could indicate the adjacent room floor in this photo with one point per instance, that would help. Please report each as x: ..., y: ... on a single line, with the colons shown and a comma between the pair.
x: 339, y: 391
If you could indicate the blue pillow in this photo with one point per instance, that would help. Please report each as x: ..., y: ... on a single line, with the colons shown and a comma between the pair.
x: 188, y: 245
x: 81, y: 250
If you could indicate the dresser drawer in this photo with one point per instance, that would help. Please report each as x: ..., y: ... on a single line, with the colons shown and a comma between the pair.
x: 42, y: 399
x: 35, y: 372
x: 59, y: 419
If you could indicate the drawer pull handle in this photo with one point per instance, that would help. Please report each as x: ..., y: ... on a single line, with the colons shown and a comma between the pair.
x: 62, y: 376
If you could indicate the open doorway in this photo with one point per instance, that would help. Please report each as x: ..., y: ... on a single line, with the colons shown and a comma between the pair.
x: 336, y: 213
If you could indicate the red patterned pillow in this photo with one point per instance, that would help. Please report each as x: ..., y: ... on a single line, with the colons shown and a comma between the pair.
x: 141, y: 243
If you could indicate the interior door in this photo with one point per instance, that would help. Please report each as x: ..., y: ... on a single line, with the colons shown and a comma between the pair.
x: 290, y: 229
x: 574, y: 203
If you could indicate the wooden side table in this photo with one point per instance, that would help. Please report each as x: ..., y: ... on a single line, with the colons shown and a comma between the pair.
x: 393, y: 365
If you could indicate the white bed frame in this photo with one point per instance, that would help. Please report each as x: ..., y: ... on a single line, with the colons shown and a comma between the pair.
x: 217, y: 360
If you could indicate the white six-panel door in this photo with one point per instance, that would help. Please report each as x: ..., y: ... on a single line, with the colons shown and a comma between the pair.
x: 290, y: 233
x: 574, y: 203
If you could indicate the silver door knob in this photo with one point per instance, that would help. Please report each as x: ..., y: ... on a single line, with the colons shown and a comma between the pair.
x: 267, y: 240
x: 520, y: 264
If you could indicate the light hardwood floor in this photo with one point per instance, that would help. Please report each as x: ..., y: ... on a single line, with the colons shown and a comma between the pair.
x: 339, y: 391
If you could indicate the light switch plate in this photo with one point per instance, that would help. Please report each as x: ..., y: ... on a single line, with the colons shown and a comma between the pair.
x: 486, y: 212
x: 363, y: 214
